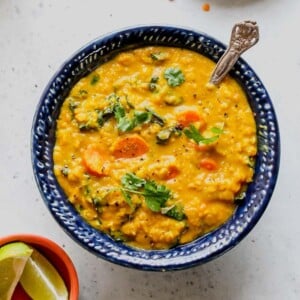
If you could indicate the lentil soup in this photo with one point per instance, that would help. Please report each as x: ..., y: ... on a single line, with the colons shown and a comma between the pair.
x: 152, y: 154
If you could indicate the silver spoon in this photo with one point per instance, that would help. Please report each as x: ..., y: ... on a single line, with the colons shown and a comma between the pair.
x: 244, y: 35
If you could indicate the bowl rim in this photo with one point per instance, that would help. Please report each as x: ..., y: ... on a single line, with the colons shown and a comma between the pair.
x: 43, y: 245
x: 161, y: 260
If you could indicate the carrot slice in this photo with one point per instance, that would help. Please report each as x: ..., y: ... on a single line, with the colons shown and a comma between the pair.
x: 208, y: 164
x: 95, y: 160
x: 130, y: 146
x: 172, y: 172
x: 188, y: 117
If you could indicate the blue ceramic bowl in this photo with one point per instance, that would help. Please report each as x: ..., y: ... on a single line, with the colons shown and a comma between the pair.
x: 202, y: 249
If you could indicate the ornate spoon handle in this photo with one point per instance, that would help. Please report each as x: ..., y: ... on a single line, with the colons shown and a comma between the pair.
x: 244, y: 35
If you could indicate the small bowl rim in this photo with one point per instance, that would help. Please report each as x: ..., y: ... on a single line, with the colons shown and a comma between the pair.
x: 40, y: 243
x: 166, y: 261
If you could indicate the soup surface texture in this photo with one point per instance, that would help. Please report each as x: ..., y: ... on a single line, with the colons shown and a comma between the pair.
x: 152, y: 154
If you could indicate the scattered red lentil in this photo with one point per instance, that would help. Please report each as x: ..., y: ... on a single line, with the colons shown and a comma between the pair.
x: 205, y: 7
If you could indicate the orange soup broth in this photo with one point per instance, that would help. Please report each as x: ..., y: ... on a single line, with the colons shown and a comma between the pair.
x: 93, y: 152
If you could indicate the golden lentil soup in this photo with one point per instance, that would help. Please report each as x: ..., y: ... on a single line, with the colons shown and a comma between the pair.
x: 149, y: 152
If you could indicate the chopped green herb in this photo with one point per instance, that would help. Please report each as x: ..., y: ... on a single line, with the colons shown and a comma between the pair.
x: 125, y: 124
x: 104, y: 115
x: 118, y: 236
x: 119, y: 111
x: 143, y: 117
x: 174, y: 76
x: 95, y: 79
x: 158, y: 56
x: 164, y: 135
x: 241, y: 194
x: 174, y: 211
x: 155, y: 194
x: 153, y: 83
x: 73, y: 105
x: 132, y: 182
x: 65, y: 171
x: 193, y: 133
x: 127, y: 197
x: 251, y: 162
x: 156, y: 118
x: 85, y: 127
x: 83, y: 94
x: 86, y: 190
x: 217, y: 130
x: 97, y: 203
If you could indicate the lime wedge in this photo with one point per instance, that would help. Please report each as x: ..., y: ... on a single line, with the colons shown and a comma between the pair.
x: 13, y: 258
x: 41, y: 280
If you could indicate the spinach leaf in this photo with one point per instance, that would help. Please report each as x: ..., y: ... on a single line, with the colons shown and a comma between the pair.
x: 142, y: 117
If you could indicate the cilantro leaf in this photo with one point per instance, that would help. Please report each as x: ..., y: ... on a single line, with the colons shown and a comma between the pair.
x: 156, y: 195
x: 193, y: 133
x: 132, y: 182
x: 174, y: 212
x: 127, y: 197
x: 126, y: 124
x: 123, y: 123
x: 119, y: 112
x: 174, y: 76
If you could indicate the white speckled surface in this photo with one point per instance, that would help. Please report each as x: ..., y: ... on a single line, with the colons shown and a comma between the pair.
x: 37, y: 36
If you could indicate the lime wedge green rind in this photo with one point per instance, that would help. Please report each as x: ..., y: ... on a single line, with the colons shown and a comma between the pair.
x: 13, y: 258
x: 41, y: 280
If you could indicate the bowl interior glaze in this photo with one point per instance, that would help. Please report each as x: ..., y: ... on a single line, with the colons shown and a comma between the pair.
x: 202, y: 249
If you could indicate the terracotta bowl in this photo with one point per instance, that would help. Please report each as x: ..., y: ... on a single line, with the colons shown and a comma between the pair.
x: 55, y: 254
